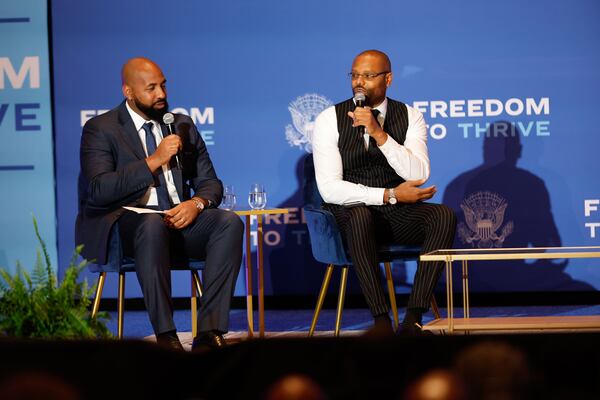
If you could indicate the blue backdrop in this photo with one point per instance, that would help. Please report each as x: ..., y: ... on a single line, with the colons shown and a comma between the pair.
x: 509, y: 90
x: 26, y: 153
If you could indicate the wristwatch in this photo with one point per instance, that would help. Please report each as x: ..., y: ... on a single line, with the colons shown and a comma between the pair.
x: 199, y: 203
x: 392, y: 196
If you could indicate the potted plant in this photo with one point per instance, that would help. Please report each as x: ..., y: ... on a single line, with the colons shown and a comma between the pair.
x: 36, y: 305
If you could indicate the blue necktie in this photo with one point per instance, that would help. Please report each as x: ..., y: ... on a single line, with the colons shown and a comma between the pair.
x: 164, y: 201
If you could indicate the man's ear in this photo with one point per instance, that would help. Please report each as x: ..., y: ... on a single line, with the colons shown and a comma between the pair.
x: 127, y: 92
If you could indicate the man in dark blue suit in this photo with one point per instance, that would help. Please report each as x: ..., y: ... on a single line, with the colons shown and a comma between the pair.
x: 128, y: 158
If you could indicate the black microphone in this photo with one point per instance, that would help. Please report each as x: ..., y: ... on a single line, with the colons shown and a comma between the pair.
x: 168, y: 119
x: 360, y: 99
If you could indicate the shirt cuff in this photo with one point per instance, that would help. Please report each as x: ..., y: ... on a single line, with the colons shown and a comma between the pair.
x: 375, y: 196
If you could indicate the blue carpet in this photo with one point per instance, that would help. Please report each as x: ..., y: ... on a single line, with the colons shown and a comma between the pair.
x: 137, y: 325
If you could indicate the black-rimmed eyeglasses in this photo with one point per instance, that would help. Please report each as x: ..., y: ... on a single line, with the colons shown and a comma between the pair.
x: 368, y: 76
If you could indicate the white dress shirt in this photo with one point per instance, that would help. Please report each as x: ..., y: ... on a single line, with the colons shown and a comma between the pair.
x: 150, y: 198
x: 410, y: 160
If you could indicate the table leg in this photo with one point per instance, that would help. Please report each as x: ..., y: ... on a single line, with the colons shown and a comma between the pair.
x: 465, y: 268
x: 449, y: 296
x: 261, y: 277
x: 249, y: 305
x: 194, y: 306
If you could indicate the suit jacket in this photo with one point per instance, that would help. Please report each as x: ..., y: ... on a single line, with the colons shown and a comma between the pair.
x: 114, y: 173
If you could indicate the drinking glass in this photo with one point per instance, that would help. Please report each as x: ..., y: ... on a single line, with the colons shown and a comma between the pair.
x: 228, y: 202
x: 257, y: 198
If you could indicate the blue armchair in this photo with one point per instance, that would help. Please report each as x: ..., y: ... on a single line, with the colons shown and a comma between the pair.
x: 118, y: 263
x: 328, y: 247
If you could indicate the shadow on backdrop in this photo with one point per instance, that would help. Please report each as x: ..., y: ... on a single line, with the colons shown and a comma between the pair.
x: 499, y: 204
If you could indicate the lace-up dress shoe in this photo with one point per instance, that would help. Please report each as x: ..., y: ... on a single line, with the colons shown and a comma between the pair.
x: 169, y: 340
x: 414, y: 329
x: 206, y: 341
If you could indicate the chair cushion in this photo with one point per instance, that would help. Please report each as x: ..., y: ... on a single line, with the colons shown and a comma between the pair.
x: 325, y: 238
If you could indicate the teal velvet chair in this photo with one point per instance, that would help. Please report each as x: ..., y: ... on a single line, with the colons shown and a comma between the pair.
x: 327, y: 247
x: 116, y: 262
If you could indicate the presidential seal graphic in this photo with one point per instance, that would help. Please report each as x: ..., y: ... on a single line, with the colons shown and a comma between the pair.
x: 304, y: 111
x: 484, y: 215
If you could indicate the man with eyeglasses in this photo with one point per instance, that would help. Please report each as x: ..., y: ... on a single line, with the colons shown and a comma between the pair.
x: 370, y: 164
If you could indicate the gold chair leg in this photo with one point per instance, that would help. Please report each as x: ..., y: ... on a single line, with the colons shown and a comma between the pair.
x: 392, y: 292
x: 342, y: 295
x: 197, y: 291
x: 436, y: 312
x: 194, y: 305
x: 435, y: 308
x: 121, y: 302
x: 98, y: 295
x: 321, y: 299
x: 196, y: 280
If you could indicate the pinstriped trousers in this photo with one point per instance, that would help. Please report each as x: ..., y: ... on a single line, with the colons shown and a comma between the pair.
x: 431, y: 226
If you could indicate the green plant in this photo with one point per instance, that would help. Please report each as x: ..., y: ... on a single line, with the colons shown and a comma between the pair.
x: 37, y: 306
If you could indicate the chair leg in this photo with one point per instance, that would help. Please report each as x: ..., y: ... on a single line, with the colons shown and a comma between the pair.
x: 321, y: 298
x: 436, y: 311
x: 434, y: 308
x: 392, y: 292
x: 98, y: 295
x: 196, y: 280
x: 341, y: 296
x: 194, y: 306
x: 121, y: 303
x: 196, y: 292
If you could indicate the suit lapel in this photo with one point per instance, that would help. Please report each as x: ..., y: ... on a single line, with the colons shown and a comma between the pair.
x: 132, y: 138
x: 177, y: 178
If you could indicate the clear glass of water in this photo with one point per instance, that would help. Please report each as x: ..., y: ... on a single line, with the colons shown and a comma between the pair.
x: 257, y: 198
x: 228, y: 202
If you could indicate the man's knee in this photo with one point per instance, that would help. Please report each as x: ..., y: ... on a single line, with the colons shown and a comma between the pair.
x: 360, y: 216
x: 232, y: 222
x: 447, y: 216
x: 361, y: 224
x: 153, y: 225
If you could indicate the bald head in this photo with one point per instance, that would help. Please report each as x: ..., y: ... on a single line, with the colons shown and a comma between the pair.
x: 144, y: 87
x: 377, y: 56
x: 132, y: 68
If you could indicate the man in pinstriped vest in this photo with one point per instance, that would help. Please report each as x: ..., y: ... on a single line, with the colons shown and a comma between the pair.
x: 371, y: 162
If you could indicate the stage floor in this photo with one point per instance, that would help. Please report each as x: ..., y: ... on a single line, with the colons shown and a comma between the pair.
x: 296, y: 323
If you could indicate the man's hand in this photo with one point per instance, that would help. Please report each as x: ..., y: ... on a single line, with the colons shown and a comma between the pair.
x: 410, y: 192
x: 167, y: 148
x: 181, y: 215
x: 363, y: 116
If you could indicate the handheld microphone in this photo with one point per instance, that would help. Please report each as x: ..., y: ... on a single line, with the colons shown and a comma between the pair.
x: 359, y: 99
x: 168, y: 119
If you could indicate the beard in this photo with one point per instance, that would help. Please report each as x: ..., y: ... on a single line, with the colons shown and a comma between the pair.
x: 152, y: 112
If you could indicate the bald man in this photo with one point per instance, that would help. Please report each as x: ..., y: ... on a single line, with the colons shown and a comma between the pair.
x: 371, y: 163
x: 128, y: 158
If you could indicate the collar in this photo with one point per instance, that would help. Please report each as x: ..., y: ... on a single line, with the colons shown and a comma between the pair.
x: 138, y: 121
x: 382, y: 108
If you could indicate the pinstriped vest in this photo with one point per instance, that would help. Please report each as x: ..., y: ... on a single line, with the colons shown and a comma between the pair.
x: 369, y: 167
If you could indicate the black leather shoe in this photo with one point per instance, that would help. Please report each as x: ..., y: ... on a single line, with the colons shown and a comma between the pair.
x: 205, y: 341
x: 414, y: 329
x: 169, y: 340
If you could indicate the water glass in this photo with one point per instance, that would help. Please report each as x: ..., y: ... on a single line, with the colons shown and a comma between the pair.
x: 228, y: 202
x: 257, y: 198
